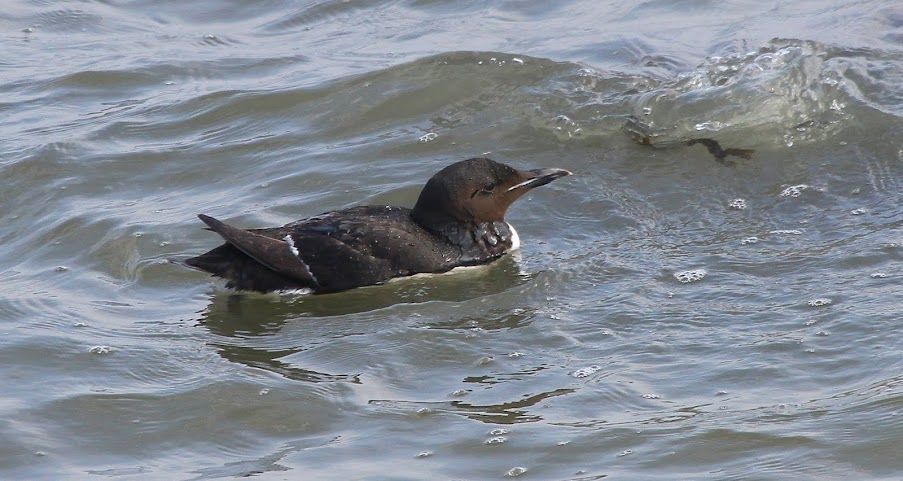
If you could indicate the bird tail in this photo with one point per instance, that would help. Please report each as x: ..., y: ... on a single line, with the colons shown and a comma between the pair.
x: 252, y: 261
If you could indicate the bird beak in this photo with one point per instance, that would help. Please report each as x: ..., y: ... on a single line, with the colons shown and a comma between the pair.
x: 537, y: 177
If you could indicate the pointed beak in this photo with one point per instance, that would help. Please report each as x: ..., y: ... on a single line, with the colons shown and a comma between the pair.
x: 537, y: 177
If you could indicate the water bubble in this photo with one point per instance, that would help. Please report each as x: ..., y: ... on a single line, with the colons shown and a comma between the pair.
x: 794, y: 190
x: 459, y: 393
x: 647, y: 110
x: 685, y: 277
x: 518, y: 61
x: 78, y: 324
x: 651, y: 396
x: 821, y: 333
x: 877, y: 275
x: 496, y: 440
x: 424, y: 454
x: 516, y: 471
x: 61, y: 268
x: 424, y: 411
x: 169, y: 82
x: 858, y: 211
x: 788, y: 140
x: 822, y: 301
x: 737, y: 204
x: 811, y: 322
x: 40, y: 453
x: 586, y: 371
x: 484, y: 360
x: 625, y: 453
x: 721, y: 393
x: 562, y: 443
x: 749, y: 240
x: 100, y: 350
x: 515, y: 354
x: 264, y: 391
x: 498, y: 432
x: 428, y: 137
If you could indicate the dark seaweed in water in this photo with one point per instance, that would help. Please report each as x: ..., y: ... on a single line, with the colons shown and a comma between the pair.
x: 719, y: 153
x: 643, y: 134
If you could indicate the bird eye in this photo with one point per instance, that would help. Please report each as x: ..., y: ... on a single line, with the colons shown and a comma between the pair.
x: 485, y: 190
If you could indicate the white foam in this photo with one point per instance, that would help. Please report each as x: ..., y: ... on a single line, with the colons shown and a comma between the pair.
x: 586, y: 371
x: 686, y: 277
x: 794, y: 190
x: 737, y: 204
x: 821, y: 301
x: 428, y: 137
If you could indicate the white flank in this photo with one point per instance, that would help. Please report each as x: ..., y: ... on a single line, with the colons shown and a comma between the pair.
x: 291, y: 245
x: 478, y: 269
x: 295, y: 292
x: 515, y: 239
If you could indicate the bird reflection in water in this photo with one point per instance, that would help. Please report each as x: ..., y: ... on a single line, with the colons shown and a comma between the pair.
x: 245, y: 325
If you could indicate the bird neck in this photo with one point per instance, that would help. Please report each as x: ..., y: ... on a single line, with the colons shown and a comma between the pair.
x: 478, y: 241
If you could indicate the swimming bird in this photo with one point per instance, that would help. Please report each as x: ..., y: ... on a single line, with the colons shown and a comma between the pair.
x: 458, y: 220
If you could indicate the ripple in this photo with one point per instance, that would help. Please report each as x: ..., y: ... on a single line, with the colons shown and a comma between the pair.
x: 516, y: 471
x: 100, y: 350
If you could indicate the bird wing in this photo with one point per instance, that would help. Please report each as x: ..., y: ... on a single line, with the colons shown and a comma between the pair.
x: 277, y: 255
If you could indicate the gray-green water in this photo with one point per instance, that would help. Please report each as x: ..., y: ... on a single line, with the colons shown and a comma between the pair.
x: 583, y: 357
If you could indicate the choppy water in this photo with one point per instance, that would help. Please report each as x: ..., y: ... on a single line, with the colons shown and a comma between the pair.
x: 668, y: 317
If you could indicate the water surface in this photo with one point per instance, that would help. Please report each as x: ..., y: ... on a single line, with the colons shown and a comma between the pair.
x: 668, y: 317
